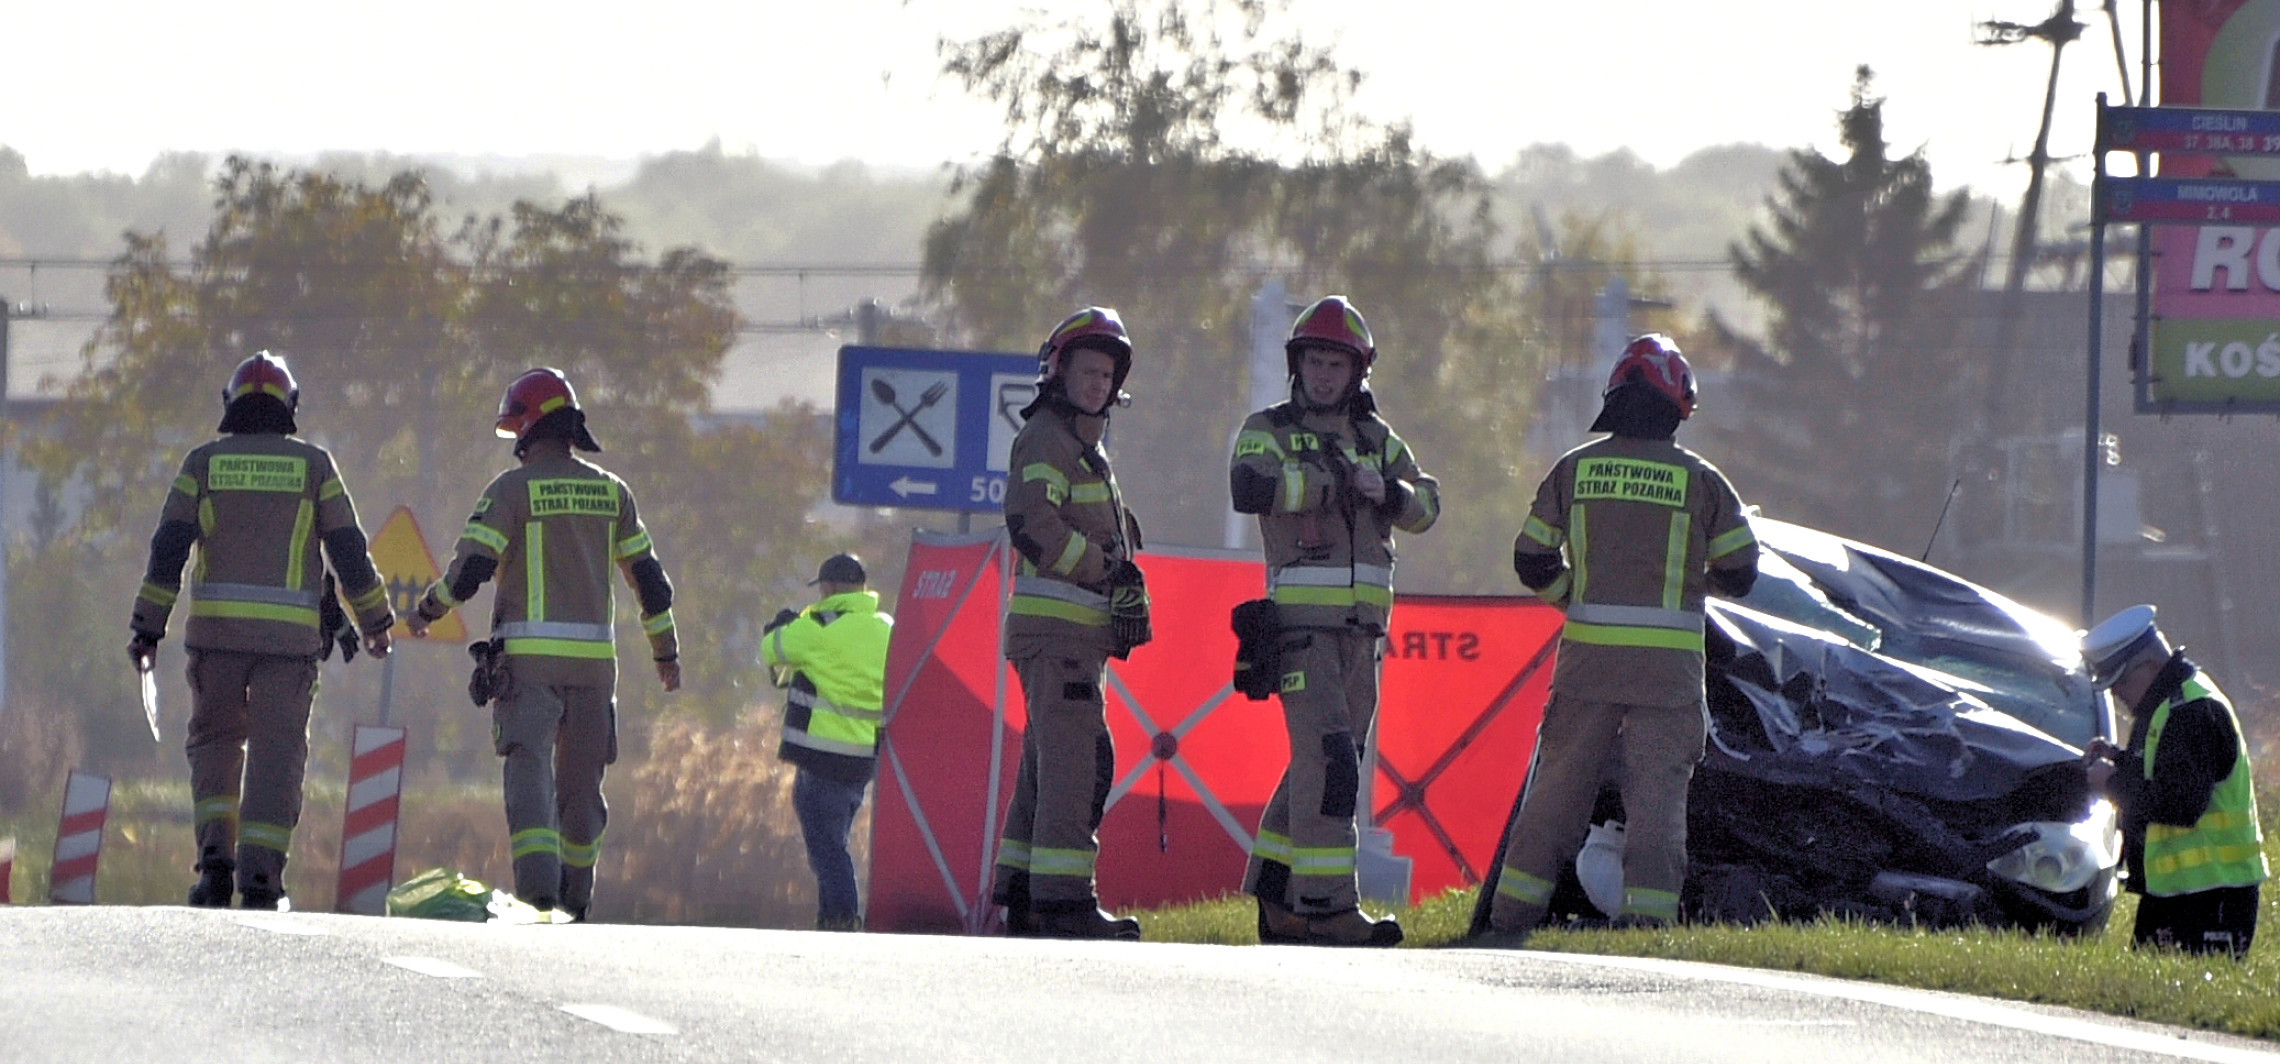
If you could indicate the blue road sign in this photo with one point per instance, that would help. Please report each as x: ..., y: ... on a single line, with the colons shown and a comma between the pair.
x: 2186, y: 201
x: 2189, y: 131
x: 927, y: 429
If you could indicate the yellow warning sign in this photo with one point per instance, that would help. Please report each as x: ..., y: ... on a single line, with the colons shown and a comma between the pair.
x: 408, y: 568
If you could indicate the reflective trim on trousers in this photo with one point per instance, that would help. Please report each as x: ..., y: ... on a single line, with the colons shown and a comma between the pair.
x: 581, y: 855
x: 1524, y: 888
x: 1044, y: 862
x: 276, y: 837
x: 219, y: 807
x: 1332, y: 861
x: 533, y: 842
x: 1649, y: 902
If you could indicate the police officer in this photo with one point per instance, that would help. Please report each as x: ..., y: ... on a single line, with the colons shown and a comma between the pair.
x: 1066, y: 519
x: 2191, y: 844
x: 1330, y: 482
x: 257, y: 503
x: 835, y: 654
x: 550, y: 530
x: 1627, y: 534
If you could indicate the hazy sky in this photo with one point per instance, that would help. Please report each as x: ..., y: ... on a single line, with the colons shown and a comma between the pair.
x: 108, y: 84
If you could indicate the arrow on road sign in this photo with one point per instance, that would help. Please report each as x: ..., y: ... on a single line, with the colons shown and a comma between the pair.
x: 906, y: 487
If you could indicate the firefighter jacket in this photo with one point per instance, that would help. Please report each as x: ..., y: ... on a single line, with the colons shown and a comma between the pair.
x: 1329, y: 548
x: 1068, y: 523
x: 836, y: 654
x: 1640, y: 522
x: 258, y: 506
x: 2187, y: 806
x: 551, y: 529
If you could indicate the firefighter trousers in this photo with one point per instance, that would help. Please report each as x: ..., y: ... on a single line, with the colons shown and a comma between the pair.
x: 1304, y: 858
x: 248, y: 745
x: 1067, y: 765
x: 1659, y: 747
x: 557, y: 740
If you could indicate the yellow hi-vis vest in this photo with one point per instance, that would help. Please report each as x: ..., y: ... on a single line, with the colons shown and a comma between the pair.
x: 2225, y: 848
x: 837, y: 651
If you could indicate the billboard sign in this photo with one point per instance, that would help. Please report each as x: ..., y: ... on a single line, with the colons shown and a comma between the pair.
x: 2214, y: 341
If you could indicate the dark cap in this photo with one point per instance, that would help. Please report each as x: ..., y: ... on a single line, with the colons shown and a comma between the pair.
x: 840, y: 569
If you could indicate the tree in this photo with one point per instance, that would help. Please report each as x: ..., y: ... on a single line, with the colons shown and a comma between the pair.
x: 1165, y: 159
x: 1853, y: 406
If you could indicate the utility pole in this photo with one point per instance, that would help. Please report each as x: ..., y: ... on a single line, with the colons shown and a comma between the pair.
x: 2059, y: 30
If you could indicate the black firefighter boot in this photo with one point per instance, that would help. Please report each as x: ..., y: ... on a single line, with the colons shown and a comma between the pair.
x: 1015, y: 898
x: 1082, y: 919
x: 216, y: 882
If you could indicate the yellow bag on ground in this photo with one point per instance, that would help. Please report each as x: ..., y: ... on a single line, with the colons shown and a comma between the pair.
x: 442, y: 894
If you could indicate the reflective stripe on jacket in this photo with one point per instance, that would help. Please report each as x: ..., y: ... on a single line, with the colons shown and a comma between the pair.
x: 2225, y: 848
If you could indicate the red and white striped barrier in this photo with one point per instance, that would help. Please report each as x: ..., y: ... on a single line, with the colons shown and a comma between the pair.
x: 7, y: 866
x: 368, y: 834
x: 79, y: 839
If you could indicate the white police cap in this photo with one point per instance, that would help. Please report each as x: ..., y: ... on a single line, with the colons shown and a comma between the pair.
x: 2117, y: 641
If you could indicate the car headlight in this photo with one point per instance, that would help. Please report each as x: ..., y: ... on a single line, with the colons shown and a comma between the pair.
x: 2063, y: 858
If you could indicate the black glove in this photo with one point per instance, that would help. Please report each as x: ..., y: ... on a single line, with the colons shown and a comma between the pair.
x: 782, y: 618
x: 332, y: 624
x: 1127, y: 608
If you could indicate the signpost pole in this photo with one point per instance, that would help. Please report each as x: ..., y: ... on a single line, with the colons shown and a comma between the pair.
x: 2093, y: 448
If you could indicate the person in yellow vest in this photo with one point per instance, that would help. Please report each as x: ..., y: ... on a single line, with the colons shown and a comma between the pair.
x: 551, y: 530
x: 1066, y: 618
x: 833, y: 658
x: 1627, y: 536
x: 2191, y: 846
x: 257, y: 503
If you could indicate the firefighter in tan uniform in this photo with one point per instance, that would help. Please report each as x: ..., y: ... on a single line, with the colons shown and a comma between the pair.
x: 551, y: 530
x: 1074, y: 602
x: 257, y: 504
x: 1330, y: 482
x: 1646, y: 527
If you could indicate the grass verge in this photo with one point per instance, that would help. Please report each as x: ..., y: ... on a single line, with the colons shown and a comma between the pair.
x: 2096, y: 973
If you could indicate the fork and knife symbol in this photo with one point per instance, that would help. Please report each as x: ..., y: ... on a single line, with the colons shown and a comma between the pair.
x: 885, y: 394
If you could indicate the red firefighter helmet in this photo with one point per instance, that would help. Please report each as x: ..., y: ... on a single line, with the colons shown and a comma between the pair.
x: 1654, y: 359
x: 263, y: 374
x: 1099, y: 328
x: 534, y: 395
x: 1332, y: 322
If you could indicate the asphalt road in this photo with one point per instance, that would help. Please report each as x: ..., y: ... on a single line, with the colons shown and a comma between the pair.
x: 133, y: 985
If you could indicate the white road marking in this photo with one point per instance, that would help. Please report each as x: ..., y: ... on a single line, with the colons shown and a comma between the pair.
x: 618, y: 1019
x: 1971, y: 1010
x: 434, y: 967
x: 275, y: 925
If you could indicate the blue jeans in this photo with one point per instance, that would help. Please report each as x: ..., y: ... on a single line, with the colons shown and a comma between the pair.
x: 826, y: 808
